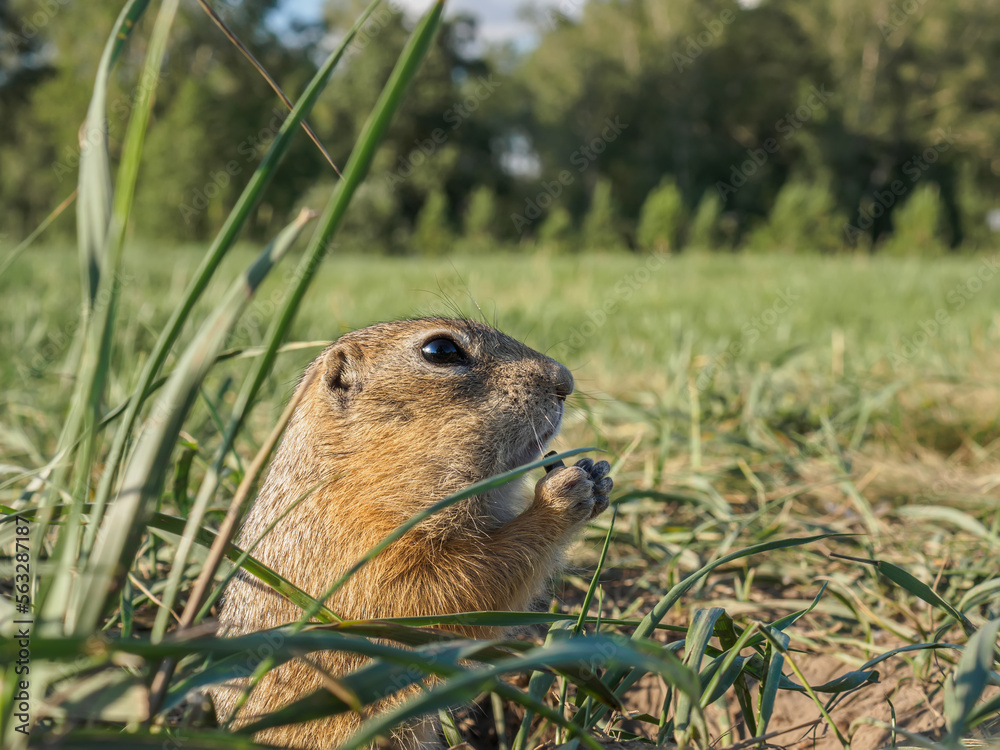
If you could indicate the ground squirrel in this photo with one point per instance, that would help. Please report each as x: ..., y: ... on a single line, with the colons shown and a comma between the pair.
x: 394, y: 418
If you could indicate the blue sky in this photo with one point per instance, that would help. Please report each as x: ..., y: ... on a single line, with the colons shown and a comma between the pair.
x: 499, y: 21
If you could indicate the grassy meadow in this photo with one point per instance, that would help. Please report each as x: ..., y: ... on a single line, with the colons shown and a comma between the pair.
x: 744, y: 399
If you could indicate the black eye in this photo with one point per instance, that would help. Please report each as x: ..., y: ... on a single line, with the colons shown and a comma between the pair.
x: 443, y: 352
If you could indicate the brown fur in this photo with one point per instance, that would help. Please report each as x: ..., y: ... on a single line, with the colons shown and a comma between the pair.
x: 386, y: 434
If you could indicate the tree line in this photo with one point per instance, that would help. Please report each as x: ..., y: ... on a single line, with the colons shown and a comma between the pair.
x: 799, y: 126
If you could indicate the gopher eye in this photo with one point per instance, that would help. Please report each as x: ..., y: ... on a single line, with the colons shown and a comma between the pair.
x: 443, y: 352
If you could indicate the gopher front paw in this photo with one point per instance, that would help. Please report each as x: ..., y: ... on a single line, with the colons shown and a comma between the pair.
x: 577, y: 492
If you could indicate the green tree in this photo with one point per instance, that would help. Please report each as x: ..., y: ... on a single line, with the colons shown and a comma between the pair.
x: 191, y: 137
x: 479, y: 221
x: 481, y: 214
x: 432, y: 234
x: 372, y: 223
x: 704, y: 232
x: 556, y: 235
x: 975, y: 201
x: 726, y: 97
x: 442, y: 138
x: 661, y: 220
x: 917, y: 224
x: 632, y: 80
x: 44, y: 103
x: 600, y: 225
x: 803, y: 219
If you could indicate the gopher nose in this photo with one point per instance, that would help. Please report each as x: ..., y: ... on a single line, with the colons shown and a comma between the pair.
x: 563, y: 380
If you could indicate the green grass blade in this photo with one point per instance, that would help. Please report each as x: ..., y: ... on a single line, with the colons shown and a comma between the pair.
x: 922, y: 591
x: 97, y: 739
x: 729, y: 669
x: 979, y: 594
x: 539, y: 685
x: 368, y: 684
x: 471, y: 491
x: 732, y: 648
x: 987, y: 710
x: 122, y: 527
x: 283, y: 641
x: 622, y: 679
x: 907, y: 649
x: 970, y: 680
x: 354, y: 172
x: 252, y: 383
x: 93, y: 209
x: 504, y: 619
x: 94, y: 200
x: 568, y: 654
x: 774, y: 660
x: 778, y: 645
x: 36, y: 233
x: 104, y: 284
x: 223, y: 242
x: 448, y: 728
x: 729, y: 640
x: 953, y: 516
x: 205, y: 538
x: 540, y: 682
x: 674, y: 595
x: 699, y: 633
x: 596, y: 578
x: 845, y: 683
x: 197, y: 512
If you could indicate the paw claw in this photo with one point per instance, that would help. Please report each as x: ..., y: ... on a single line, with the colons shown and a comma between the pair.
x: 579, y: 491
x: 601, y: 503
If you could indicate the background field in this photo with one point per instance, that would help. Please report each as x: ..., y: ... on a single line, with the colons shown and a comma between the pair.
x: 662, y: 307
x: 728, y: 425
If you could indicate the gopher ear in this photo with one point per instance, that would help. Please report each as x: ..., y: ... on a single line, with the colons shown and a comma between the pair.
x: 341, y: 371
